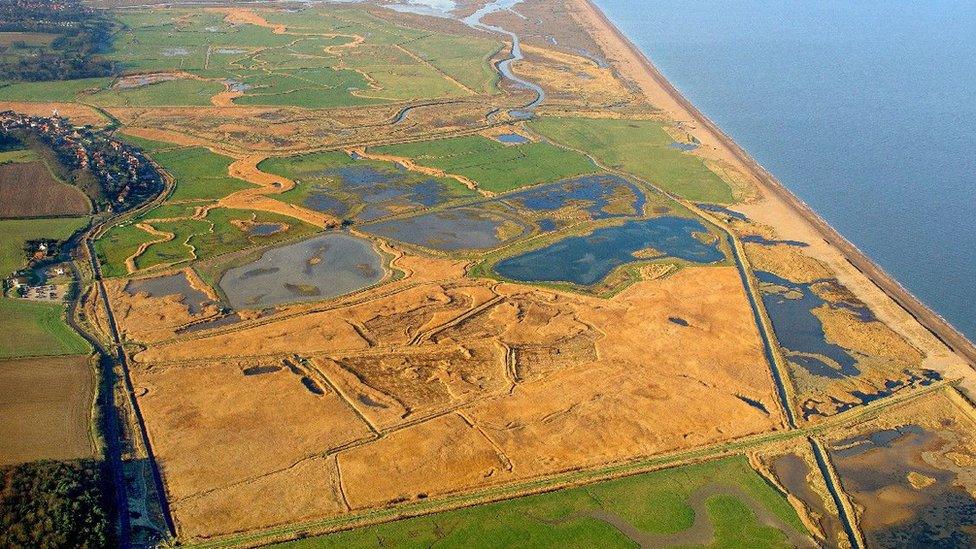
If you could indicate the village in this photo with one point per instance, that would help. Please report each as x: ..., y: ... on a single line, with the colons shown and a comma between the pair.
x: 126, y: 177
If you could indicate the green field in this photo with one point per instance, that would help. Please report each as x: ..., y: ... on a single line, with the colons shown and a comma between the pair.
x: 310, y: 67
x: 169, y: 93
x: 204, y: 238
x: 117, y: 244
x: 656, y: 504
x: 56, y: 90
x: 316, y: 173
x: 642, y: 148
x: 14, y: 233
x: 494, y: 166
x: 17, y: 156
x: 37, y: 329
x: 199, y: 174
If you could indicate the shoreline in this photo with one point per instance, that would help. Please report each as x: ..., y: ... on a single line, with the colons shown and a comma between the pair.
x: 934, y: 323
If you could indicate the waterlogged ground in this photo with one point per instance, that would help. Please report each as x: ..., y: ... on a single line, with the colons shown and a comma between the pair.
x: 828, y: 375
x: 586, y: 260
x: 906, y: 480
x: 589, y: 197
x: 366, y: 192
x: 174, y: 284
x: 319, y: 268
x: 454, y: 229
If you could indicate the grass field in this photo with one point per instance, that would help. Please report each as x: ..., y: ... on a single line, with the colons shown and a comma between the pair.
x: 57, y: 90
x: 657, y: 505
x: 46, y: 405
x: 116, y: 245
x: 213, y: 235
x: 199, y: 174
x: 318, y: 172
x: 31, y: 39
x: 17, y: 156
x: 642, y: 148
x: 494, y: 166
x: 15, y: 232
x: 37, y: 329
x: 171, y: 93
x: 330, y: 58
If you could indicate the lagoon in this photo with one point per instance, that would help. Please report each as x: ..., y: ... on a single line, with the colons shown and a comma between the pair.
x: 318, y: 268
x: 864, y: 110
x: 586, y: 260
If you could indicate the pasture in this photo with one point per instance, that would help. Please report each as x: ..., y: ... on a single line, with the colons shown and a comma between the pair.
x: 723, y: 503
x: 14, y: 233
x: 319, y: 58
x: 184, y: 92
x: 199, y: 174
x: 641, y: 148
x: 494, y: 166
x: 46, y: 405
x: 27, y: 39
x: 363, y: 189
x: 184, y: 238
x: 37, y: 329
x: 56, y: 90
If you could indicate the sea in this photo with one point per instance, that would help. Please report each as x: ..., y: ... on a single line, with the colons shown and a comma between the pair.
x: 866, y: 110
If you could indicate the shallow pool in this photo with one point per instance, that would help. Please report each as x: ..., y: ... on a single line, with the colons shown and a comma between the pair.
x: 174, y: 284
x: 453, y: 229
x: 585, y: 260
x: 318, y: 268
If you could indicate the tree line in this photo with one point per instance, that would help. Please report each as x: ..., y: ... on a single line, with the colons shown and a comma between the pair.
x: 83, y: 34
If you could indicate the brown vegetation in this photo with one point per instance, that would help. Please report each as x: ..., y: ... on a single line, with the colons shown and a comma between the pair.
x: 438, y: 387
x: 28, y: 189
x: 46, y: 405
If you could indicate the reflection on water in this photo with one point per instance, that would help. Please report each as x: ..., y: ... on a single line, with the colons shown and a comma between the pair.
x: 174, y: 284
x: 377, y: 192
x: 793, y: 472
x: 322, y: 267
x: 512, y: 138
x: 449, y: 230
x: 599, y: 196
x: 505, y: 66
x: 585, y: 260
x: 790, y: 307
x: 907, y: 488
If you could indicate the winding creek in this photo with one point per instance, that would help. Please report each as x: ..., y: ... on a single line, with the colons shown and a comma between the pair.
x: 505, y: 66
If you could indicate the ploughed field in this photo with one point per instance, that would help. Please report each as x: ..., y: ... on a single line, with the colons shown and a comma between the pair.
x: 385, y: 294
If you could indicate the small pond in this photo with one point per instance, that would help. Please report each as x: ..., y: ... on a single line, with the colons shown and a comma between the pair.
x: 451, y: 230
x: 174, y: 284
x: 600, y: 196
x: 716, y: 209
x: 585, y: 260
x: 318, y: 268
x: 380, y: 192
x: 265, y: 229
x: 684, y: 147
x: 512, y: 138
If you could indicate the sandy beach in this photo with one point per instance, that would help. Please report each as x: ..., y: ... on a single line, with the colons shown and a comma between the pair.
x: 947, y: 350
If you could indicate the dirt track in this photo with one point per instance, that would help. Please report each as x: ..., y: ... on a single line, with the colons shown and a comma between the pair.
x: 934, y: 323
